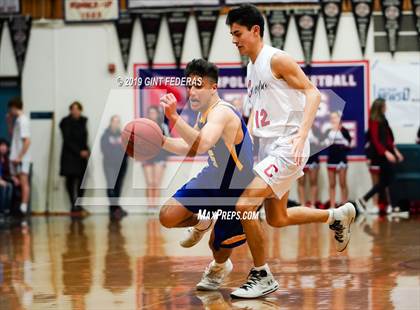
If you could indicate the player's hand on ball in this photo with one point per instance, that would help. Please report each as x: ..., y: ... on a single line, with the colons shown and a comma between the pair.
x: 169, y: 104
x: 298, y: 144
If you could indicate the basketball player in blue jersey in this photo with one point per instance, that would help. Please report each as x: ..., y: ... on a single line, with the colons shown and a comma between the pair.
x: 284, y: 104
x: 222, y: 134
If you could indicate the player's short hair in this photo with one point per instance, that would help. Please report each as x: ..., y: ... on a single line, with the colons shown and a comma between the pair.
x: 246, y: 15
x: 15, y: 103
x: 76, y: 104
x: 202, y: 68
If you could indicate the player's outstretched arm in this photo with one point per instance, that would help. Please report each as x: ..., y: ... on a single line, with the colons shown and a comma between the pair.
x: 213, y: 130
x: 198, y: 142
x: 285, y: 67
x: 176, y: 145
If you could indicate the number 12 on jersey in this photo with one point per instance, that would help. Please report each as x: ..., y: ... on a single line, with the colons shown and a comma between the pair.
x: 261, y: 118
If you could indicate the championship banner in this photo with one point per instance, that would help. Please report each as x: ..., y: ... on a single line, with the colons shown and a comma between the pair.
x: 136, y: 4
x: 398, y: 84
x: 306, y: 23
x: 342, y: 85
x: 124, y: 27
x: 9, y: 7
x: 206, y: 24
x: 277, y: 20
x: 150, y: 22
x: 362, y: 10
x: 391, y: 10
x: 20, y: 29
x: 331, y: 10
x: 416, y: 13
x: 91, y: 10
x: 177, y: 22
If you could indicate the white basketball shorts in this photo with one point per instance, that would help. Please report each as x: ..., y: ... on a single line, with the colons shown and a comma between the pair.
x: 276, y: 165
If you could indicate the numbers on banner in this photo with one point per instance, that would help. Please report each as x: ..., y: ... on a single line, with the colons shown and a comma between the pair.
x: 91, y: 15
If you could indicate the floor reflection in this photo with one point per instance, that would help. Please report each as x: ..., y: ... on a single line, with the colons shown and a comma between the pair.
x: 95, y: 263
x: 76, y: 264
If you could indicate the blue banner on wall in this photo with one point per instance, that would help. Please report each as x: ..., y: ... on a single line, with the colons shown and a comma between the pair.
x: 344, y: 87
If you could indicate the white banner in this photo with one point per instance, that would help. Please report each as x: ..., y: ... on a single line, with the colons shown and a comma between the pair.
x: 91, y: 10
x: 399, y: 85
x: 9, y: 7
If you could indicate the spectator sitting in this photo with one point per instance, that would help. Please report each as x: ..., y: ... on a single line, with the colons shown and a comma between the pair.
x: 5, y: 187
x: 10, y: 184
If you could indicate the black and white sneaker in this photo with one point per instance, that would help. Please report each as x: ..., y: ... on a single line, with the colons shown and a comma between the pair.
x: 259, y: 283
x: 343, y: 218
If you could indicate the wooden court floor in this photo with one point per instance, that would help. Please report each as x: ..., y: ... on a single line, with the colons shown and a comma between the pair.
x: 93, y: 263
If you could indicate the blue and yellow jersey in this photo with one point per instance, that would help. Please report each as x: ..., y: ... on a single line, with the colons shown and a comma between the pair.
x: 229, y: 166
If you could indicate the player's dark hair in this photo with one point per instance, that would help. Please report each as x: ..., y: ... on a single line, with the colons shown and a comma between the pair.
x: 15, y: 103
x: 202, y: 68
x: 246, y: 15
x: 76, y: 104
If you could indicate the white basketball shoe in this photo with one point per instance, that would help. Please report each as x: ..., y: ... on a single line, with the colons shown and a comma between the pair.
x: 214, y: 275
x: 343, y: 218
x: 259, y: 283
x: 194, y: 235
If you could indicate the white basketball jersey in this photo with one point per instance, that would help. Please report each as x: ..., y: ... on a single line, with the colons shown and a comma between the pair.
x: 278, y: 108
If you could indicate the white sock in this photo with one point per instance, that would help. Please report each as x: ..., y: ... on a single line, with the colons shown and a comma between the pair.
x: 331, y: 218
x: 222, y: 265
x: 263, y: 267
x: 23, y: 207
x: 203, y: 224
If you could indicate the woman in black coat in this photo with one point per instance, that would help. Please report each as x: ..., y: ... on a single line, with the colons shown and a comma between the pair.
x: 74, y: 153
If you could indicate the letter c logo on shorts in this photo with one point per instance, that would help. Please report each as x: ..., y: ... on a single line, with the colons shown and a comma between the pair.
x: 267, y: 170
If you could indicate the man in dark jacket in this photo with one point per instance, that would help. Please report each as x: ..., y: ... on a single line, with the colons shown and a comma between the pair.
x: 115, y: 165
x: 75, y: 153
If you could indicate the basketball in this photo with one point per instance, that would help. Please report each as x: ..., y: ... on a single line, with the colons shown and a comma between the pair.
x: 142, y: 139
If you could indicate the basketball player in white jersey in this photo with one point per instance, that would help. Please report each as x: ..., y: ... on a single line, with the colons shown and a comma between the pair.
x: 284, y: 105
